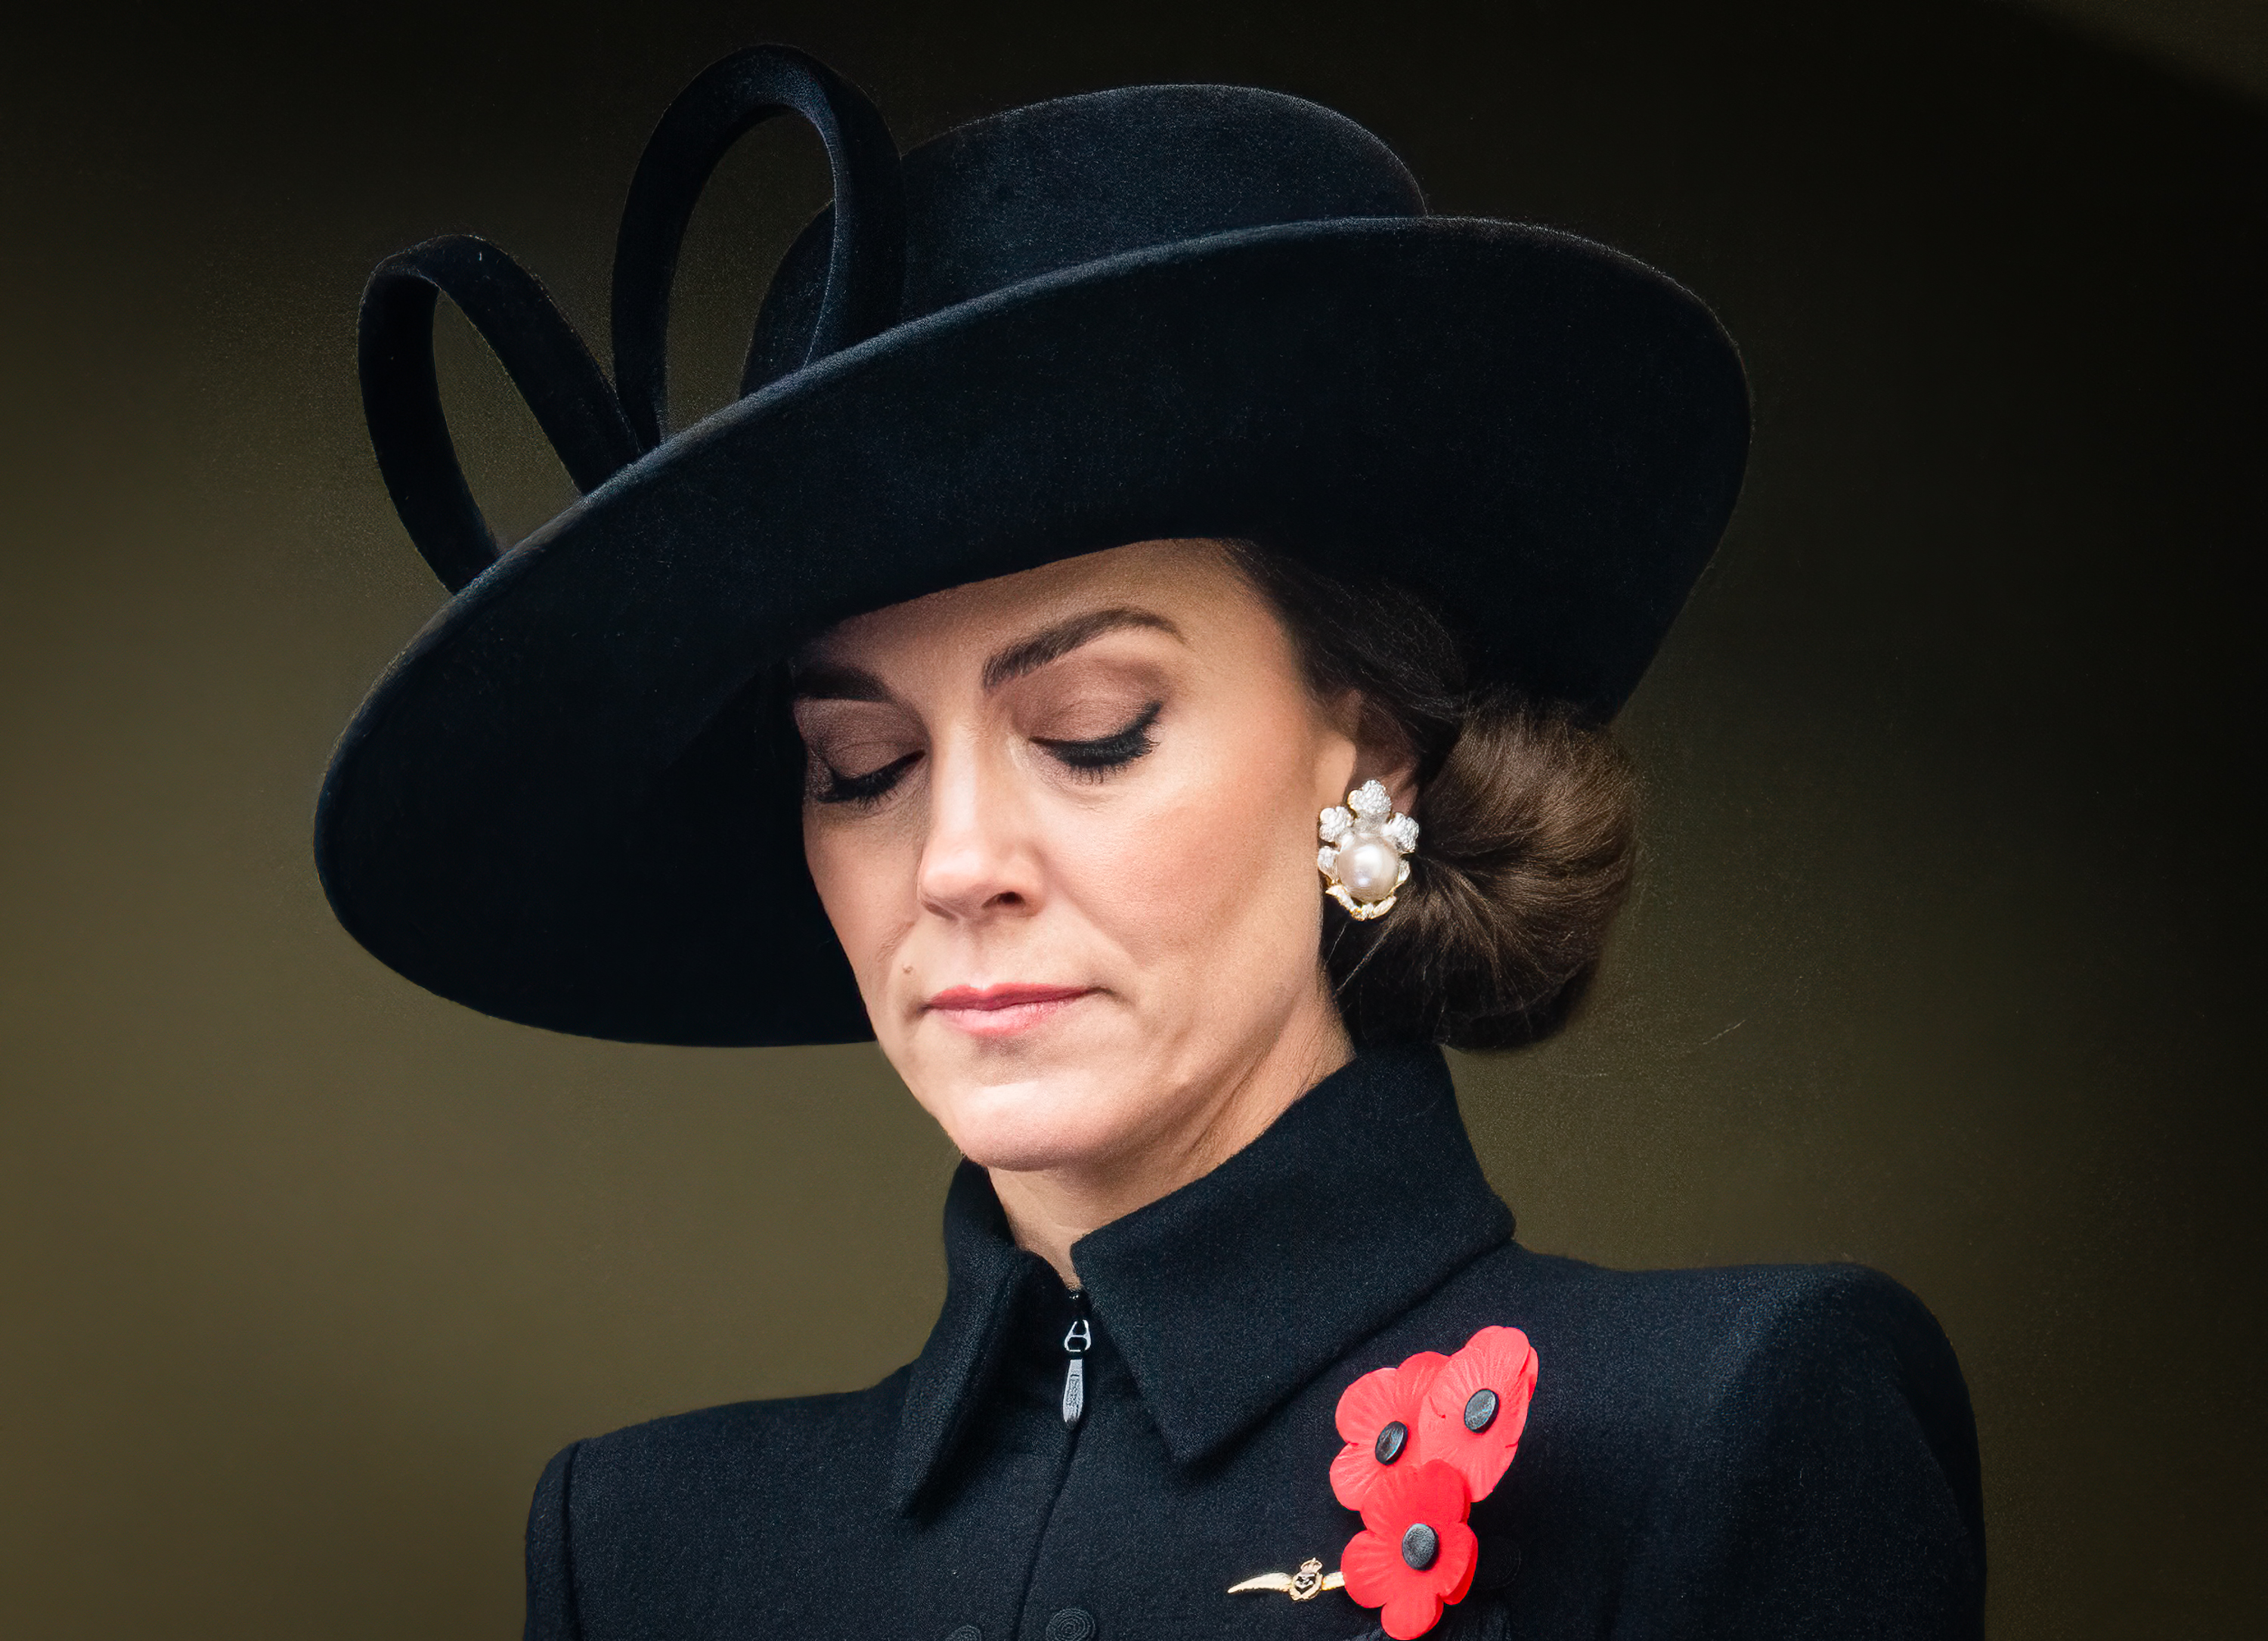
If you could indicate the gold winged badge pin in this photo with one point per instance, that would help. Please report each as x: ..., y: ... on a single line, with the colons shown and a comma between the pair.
x: 1304, y: 1586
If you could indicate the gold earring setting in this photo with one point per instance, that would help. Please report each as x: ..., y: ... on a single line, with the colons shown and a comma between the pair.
x: 1362, y: 857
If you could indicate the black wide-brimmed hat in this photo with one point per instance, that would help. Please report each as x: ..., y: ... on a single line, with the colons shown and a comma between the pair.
x: 1165, y: 311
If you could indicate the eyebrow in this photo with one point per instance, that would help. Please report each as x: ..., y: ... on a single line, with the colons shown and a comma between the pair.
x: 828, y: 680
x: 1052, y: 643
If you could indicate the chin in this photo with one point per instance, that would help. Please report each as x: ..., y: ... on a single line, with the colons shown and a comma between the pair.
x: 1059, y: 1120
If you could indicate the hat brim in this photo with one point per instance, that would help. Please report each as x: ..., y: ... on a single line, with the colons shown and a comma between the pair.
x: 551, y: 807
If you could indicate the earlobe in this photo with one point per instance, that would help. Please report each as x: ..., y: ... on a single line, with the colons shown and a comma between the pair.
x: 1363, y: 744
x: 1382, y: 753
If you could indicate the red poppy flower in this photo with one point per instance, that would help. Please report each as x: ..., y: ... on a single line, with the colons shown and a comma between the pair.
x: 1378, y: 1417
x: 1477, y: 1405
x: 1415, y: 1554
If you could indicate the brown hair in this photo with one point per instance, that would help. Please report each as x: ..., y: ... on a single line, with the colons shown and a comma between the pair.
x: 1528, y: 817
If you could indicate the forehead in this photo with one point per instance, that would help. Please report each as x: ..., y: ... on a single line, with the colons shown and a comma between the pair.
x: 1192, y: 588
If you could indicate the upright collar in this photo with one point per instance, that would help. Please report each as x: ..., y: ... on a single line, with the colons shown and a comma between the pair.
x: 1228, y: 1295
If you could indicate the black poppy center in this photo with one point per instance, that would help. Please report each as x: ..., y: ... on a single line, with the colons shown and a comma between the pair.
x: 1480, y: 1410
x: 1419, y: 1545
x: 1390, y: 1441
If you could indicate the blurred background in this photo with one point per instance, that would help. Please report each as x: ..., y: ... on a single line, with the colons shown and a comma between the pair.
x: 1946, y: 956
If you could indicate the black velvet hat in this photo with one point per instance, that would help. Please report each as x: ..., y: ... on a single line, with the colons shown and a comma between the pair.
x: 1165, y: 311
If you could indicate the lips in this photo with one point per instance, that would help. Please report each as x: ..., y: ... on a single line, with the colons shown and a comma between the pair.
x: 1003, y: 1010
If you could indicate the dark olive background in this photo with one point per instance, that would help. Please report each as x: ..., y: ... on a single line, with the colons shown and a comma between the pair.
x: 1945, y: 956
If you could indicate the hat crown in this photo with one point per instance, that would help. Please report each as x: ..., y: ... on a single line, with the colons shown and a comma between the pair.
x: 1057, y: 185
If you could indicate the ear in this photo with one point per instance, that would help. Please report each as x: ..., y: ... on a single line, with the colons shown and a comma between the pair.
x: 1382, y: 753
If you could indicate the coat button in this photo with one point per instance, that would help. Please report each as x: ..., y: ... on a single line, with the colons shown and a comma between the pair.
x: 1073, y: 1624
x: 967, y: 1632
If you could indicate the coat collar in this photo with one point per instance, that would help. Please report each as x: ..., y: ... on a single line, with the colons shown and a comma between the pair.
x: 1227, y: 1296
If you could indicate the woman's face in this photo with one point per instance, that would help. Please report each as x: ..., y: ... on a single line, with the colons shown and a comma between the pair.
x: 1065, y: 824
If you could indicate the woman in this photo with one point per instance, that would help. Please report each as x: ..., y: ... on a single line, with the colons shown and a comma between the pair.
x: 1140, y: 650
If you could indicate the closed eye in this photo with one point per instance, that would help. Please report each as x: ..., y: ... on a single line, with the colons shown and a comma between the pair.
x: 1100, y: 756
x: 835, y: 787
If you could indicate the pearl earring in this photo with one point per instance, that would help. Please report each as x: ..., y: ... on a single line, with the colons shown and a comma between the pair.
x: 1361, y: 858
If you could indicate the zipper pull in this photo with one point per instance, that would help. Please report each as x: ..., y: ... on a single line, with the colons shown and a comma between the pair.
x: 1076, y: 1341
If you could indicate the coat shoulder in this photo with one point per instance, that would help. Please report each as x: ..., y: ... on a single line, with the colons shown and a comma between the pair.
x: 613, y: 1514
x: 1792, y: 1443
x: 840, y: 1421
x: 692, y: 1461
x: 1724, y: 1342
x: 1661, y: 1356
x: 1719, y: 1297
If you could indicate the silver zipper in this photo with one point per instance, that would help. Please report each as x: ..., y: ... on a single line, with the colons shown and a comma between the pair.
x: 1077, y: 1340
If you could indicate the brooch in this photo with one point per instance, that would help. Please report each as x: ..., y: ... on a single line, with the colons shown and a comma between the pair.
x: 1304, y: 1586
x: 1425, y: 1442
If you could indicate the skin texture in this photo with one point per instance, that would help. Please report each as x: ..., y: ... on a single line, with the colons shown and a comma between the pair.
x: 1064, y: 824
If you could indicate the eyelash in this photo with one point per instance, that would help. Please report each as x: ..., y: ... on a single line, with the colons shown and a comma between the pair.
x: 870, y: 788
x: 1094, y: 759
x: 1087, y: 760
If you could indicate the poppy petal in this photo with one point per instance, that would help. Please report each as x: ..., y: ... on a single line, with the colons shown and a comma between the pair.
x: 1351, y: 1475
x: 1457, y: 1560
x: 1372, y: 1568
x: 1386, y: 1393
x: 1384, y: 1396
x: 1433, y: 1492
x: 1496, y: 1361
x: 1412, y: 1610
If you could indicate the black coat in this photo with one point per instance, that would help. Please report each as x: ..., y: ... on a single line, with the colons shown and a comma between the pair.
x: 1761, y: 1452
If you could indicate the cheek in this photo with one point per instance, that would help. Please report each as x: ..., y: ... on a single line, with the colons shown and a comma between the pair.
x: 1212, y: 874
x: 865, y: 882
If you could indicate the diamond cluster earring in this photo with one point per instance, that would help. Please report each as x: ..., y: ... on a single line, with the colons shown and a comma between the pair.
x: 1361, y: 858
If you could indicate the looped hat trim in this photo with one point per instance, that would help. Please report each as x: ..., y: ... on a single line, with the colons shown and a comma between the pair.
x: 402, y: 397
x: 598, y: 429
x: 865, y: 265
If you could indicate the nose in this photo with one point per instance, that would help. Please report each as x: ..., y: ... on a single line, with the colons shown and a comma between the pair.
x: 978, y: 861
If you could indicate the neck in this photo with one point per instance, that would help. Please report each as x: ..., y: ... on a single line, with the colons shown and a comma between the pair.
x: 1051, y: 1209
